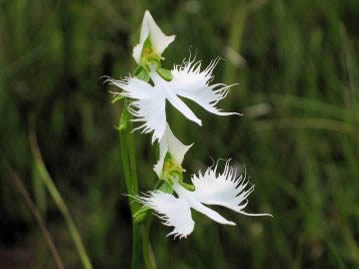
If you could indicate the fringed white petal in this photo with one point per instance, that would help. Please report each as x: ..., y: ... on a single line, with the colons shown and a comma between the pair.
x: 195, y: 204
x: 159, y: 40
x: 192, y: 83
x: 170, y: 143
x: 173, y: 98
x: 223, y: 189
x: 172, y: 211
x: 148, y: 105
x: 188, y: 81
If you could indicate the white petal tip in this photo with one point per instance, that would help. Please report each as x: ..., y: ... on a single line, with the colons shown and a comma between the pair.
x: 171, y: 38
x: 256, y: 214
x: 177, y: 236
x: 229, y: 114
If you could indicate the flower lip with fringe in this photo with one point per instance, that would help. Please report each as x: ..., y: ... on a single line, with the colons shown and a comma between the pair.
x: 211, y: 188
x: 149, y: 102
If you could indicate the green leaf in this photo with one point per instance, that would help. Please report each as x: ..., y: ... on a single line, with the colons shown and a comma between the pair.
x: 165, y: 73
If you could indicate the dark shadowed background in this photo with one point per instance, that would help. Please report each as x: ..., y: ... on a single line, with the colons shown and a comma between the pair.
x: 296, y: 65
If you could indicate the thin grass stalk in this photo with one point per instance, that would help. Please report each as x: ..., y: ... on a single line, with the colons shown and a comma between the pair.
x: 34, y: 210
x: 234, y: 42
x: 59, y: 201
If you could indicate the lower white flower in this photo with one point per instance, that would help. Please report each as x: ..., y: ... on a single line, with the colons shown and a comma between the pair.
x: 223, y: 189
x: 149, y: 101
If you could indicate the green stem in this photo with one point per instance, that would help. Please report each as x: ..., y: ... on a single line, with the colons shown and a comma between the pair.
x: 148, y: 256
x: 130, y: 174
x: 125, y: 162
x: 132, y: 159
x: 55, y: 194
x: 136, y: 246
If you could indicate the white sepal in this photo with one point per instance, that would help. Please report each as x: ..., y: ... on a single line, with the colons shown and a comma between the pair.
x: 169, y: 143
x: 150, y: 29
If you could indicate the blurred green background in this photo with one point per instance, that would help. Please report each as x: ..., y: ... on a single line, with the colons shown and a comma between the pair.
x: 296, y: 65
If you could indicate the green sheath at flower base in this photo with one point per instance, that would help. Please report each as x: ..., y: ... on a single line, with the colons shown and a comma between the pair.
x: 165, y: 187
x: 143, y: 75
x: 142, y: 72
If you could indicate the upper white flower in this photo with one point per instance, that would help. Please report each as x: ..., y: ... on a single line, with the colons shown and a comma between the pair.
x: 158, y: 39
x: 211, y: 188
x: 188, y: 81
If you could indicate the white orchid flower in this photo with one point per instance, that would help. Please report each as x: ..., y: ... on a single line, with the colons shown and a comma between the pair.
x: 211, y: 188
x: 188, y: 81
x: 159, y: 40
x: 170, y: 144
